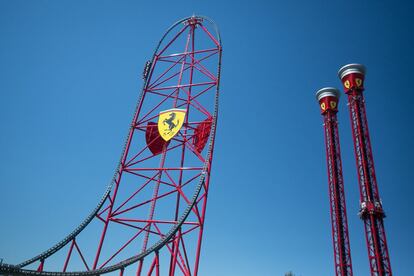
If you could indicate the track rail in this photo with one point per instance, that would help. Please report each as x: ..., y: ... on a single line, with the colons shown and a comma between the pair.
x: 8, y: 269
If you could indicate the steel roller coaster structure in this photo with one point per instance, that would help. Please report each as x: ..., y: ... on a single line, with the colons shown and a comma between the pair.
x: 150, y: 219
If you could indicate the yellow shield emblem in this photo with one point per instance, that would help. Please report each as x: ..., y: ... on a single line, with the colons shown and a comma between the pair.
x: 170, y: 122
x: 347, y: 84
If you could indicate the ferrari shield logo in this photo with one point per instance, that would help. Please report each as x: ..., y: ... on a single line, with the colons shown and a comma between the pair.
x: 170, y: 122
x: 347, y: 84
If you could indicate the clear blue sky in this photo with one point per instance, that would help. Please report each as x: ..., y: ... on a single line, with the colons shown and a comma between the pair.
x: 70, y: 75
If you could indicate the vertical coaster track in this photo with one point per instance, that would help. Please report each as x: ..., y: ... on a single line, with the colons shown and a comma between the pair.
x: 150, y: 219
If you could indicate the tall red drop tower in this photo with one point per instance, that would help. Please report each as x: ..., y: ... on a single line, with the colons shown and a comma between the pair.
x: 328, y: 101
x: 352, y: 77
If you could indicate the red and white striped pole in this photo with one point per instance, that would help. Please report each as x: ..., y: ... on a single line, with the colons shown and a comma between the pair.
x: 352, y: 77
x: 328, y: 99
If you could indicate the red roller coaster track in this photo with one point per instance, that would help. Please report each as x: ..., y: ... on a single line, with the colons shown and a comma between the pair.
x: 150, y: 220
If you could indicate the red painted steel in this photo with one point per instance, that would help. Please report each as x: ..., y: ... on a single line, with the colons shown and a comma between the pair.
x: 154, y: 212
x: 202, y: 132
x: 352, y: 77
x: 328, y: 99
x: 153, y: 138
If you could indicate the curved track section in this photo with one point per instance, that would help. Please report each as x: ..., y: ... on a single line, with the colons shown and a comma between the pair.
x: 152, y: 212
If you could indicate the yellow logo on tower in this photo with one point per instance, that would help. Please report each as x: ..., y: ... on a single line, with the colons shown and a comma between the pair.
x: 170, y: 122
x: 358, y: 82
x: 347, y: 84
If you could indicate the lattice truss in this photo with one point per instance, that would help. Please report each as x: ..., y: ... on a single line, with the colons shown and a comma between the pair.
x: 150, y: 220
x: 371, y: 206
x: 340, y: 235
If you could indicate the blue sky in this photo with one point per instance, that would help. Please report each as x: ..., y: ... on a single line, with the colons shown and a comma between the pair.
x: 70, y: 75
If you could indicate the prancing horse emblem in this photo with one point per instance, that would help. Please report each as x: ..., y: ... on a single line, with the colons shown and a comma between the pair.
x: 170, y: 122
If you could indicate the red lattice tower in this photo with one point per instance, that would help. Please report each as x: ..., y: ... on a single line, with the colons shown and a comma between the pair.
x: 328, y: 99
x: 352, y: 77
x: 150, y: 220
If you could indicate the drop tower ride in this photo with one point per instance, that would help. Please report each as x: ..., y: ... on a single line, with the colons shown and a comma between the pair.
x: 328, y: 99
x: 371, y: 212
